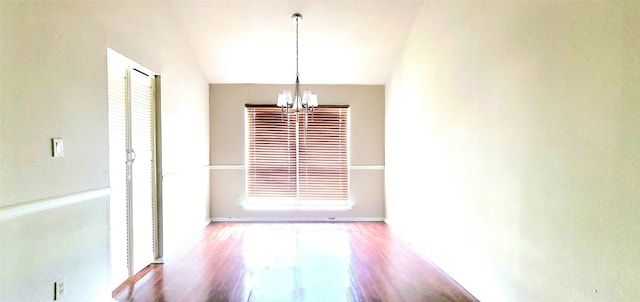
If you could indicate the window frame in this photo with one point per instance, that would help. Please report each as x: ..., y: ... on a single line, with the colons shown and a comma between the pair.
x: 340, y: 197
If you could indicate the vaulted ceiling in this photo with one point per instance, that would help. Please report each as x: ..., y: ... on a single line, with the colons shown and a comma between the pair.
x: 341, y: 42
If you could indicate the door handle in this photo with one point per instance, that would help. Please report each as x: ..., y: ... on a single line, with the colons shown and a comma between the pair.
x: 131, y: 156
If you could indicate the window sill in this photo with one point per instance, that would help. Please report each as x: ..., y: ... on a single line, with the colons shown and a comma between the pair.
x: 297, y: 208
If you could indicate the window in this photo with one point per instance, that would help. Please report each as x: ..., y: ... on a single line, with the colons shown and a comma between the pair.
x: 294, y: 160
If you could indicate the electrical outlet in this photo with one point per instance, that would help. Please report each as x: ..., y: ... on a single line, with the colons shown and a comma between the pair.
x: 59, y: 290
x: 239, y: 199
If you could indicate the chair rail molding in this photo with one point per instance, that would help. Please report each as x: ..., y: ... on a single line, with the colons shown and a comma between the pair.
x: 36, y: 206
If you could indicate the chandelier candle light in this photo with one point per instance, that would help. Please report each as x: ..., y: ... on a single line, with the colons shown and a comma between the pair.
x: 297, y: 103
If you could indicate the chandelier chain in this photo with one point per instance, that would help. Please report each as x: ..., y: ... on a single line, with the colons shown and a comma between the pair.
x: 297, y: 72
x: 297, y: 102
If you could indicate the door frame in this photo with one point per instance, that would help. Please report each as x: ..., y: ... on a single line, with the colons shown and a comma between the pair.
x: 157, y: 220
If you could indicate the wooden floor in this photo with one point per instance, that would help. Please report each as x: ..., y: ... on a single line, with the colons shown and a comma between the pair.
x: 294, y: 262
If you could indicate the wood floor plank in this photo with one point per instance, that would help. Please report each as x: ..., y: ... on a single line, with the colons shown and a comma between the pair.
x: 262, y: 262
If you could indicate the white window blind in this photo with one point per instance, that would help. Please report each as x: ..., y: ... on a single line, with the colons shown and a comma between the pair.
x: 271, y: 171
x: 293, y: 160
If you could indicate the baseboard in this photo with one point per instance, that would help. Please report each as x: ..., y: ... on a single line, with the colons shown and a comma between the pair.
x: 296, y: 219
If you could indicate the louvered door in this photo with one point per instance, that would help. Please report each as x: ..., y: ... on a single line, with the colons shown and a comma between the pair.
x: 142, y: 170
x: 118, y: 173
x: 131, y: 170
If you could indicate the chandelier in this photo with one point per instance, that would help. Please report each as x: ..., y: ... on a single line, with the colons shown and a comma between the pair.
x: 297, y: 102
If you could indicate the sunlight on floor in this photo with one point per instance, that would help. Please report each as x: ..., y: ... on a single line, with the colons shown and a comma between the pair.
x: 288, y: 265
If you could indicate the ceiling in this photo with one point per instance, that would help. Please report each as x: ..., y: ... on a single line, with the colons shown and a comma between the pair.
x: 341, y: 42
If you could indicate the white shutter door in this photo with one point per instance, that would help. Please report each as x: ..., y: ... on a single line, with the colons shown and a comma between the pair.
x: 143, y: 171
x: 118, y: 146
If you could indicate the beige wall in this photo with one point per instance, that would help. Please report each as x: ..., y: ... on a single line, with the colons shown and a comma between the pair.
x: 228, y: 148
x: 53, y: 83
x: 512, y: 147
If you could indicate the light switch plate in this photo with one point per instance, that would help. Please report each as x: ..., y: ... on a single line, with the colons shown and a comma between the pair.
x: 57, y: 148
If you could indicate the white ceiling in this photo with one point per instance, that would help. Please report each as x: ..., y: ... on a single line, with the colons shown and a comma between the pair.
x: 341, y: 42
